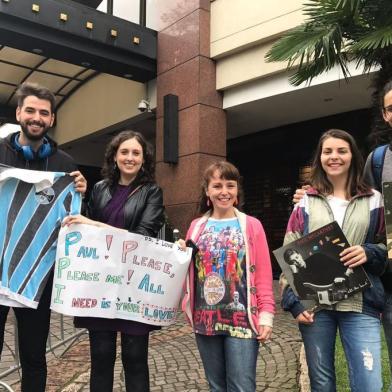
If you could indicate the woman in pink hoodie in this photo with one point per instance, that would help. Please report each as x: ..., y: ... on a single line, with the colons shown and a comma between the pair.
x: 229, y: 324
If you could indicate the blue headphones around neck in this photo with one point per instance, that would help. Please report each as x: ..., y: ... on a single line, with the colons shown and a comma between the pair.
x: 28, y: 153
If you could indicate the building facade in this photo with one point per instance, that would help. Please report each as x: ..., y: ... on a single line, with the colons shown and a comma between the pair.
x: 230, y: 103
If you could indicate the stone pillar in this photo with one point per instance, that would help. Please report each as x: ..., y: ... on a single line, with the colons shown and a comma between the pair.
x: 185, y: 69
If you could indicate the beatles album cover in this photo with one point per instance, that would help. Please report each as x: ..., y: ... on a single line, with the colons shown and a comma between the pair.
x: 313, y: 268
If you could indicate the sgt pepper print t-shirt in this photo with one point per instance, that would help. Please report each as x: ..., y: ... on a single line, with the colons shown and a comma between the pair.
x: 220, y: 277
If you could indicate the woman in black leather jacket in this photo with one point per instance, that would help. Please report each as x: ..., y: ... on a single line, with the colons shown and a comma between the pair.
x: 127, y: 198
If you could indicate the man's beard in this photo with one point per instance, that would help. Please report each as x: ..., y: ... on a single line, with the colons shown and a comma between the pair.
x: 31, y: 136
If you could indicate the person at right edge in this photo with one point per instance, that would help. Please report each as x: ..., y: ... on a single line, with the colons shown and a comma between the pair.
x: 339, y: 193
x: 376, y: 182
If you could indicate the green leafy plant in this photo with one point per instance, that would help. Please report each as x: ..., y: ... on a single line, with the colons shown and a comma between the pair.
x: 336, y: 32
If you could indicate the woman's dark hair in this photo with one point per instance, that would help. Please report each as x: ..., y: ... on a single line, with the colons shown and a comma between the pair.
x: 355, y: 183
x: 110, y: 171
x: 227, y: 172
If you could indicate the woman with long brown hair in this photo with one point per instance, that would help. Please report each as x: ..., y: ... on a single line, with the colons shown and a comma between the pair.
x: 339, y: 193
x: 127, y: 198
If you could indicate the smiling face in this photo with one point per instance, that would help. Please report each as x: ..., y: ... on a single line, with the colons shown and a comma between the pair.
x: 335, y: 158
x: 35, y: 118
x: 129, y: 159
x: 222, y: 193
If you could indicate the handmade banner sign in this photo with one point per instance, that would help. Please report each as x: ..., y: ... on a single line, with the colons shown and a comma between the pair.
x: 111, y: 273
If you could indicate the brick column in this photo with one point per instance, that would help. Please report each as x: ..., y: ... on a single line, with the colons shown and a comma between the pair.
x: 185, y: 69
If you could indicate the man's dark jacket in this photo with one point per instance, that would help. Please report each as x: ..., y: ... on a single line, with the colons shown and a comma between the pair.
x: 58, y: 160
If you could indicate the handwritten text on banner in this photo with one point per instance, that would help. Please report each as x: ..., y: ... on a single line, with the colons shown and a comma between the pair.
x: 110, y: 273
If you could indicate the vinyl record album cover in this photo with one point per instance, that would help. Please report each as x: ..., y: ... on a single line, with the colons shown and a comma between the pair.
x: 313, y: 268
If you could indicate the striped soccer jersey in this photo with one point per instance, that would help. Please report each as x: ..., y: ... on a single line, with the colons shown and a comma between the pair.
x: 31, y: 214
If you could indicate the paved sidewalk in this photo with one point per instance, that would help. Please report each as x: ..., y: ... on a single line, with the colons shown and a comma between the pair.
x: 175, y: 363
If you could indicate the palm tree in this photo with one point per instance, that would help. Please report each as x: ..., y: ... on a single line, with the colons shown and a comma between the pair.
x: 337, y: 32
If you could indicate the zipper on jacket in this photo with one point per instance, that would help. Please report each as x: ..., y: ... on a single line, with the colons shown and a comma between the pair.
x: 334, y: 306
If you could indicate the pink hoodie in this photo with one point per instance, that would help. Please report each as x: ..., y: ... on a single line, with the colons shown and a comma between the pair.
x: 260, y: 298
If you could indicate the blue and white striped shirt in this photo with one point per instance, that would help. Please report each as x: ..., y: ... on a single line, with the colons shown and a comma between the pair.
x: 31, y: 218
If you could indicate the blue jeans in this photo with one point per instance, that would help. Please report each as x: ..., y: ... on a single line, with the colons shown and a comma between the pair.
x: 387, y: 324
x: 229, y: 363
x: 361, y: 340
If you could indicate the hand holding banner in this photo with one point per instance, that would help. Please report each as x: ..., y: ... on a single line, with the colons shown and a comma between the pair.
x: 111, y: 273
